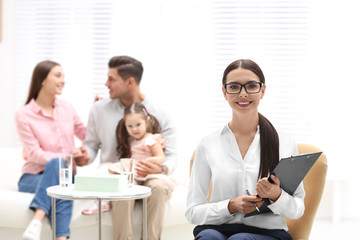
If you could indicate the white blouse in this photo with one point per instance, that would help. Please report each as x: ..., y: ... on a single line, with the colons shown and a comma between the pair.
x: 218, y: 158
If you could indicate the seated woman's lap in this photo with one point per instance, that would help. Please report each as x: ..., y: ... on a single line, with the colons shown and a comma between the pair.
x: 250, y: 236
x: 211, y: 234
x: 30, y: 182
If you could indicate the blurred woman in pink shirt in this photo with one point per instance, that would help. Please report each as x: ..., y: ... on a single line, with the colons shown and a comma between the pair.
x: 46, y: 127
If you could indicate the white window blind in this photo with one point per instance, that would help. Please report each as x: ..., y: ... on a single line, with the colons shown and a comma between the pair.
x: 72, y: 33
x: 275, y: 35
x: 183, y: 43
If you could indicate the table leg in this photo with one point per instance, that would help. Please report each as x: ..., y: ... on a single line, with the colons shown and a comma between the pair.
x: 144, y: 211
x: 100, y: 220
x: 53, y: 203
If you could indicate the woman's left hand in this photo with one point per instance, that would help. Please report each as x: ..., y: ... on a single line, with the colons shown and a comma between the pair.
x: 266, y: 189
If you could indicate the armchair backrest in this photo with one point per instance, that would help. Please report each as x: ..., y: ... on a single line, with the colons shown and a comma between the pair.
x: 314, y: 183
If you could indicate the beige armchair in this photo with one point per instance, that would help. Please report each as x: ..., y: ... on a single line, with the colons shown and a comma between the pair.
x: 314, y: 183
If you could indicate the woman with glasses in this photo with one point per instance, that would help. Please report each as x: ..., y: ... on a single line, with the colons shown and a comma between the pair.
x: 238, y: 159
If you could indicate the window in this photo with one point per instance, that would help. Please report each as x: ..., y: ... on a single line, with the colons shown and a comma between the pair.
x: 275, y: 35
x: 73, y: 33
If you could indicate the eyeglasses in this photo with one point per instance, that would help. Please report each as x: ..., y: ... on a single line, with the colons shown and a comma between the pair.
x: 250, y: 87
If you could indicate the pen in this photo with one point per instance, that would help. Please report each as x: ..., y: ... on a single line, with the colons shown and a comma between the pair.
x: 248, y: 193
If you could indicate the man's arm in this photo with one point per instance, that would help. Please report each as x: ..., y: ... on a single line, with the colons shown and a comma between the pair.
x: 143, y: 168
x: 92, y: 142
x: 169, y: 133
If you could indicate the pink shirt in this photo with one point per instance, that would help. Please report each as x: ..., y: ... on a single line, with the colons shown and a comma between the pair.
x: 140, y: 149
x: 45, y: 137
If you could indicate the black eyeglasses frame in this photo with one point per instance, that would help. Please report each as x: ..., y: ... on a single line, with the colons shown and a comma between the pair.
x: 243, y: 86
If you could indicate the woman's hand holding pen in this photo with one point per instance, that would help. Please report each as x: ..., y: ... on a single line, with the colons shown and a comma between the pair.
x: 266, y: 189
x: 244, y: 204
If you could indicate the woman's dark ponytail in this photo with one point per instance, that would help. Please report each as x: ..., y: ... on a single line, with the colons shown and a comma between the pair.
x: 269, y: 147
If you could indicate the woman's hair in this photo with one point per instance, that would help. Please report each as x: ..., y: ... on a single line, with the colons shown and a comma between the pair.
x: 40, y: 73
x: 269, y: 139
x: 122, y: 136
x: 127, y: 67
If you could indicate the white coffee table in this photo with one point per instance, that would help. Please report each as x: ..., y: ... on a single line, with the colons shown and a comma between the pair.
x: 132, y: 193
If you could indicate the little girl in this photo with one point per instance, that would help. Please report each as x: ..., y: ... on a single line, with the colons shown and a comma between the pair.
x: 138, y: 137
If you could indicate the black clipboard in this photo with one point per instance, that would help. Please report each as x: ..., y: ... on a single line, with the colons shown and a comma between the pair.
x: 290, y: 171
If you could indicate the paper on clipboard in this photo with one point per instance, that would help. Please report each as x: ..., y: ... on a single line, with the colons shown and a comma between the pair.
x: 290, y: 171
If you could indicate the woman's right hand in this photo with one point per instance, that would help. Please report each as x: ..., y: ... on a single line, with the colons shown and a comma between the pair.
x: 244, y: 204
x: 97, y: 98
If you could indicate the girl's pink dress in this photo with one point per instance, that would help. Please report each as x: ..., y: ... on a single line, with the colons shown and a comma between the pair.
x: 141, y: 149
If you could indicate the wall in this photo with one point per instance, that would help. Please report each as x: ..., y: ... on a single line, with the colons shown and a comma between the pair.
x: 334, y: 51
x: 7, y: 75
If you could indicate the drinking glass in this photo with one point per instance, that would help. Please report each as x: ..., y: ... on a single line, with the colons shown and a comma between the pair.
x: 65, y: 170
x: 127, y: 168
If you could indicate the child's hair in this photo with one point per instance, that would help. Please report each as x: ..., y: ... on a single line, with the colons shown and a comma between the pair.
x: 122, y: 136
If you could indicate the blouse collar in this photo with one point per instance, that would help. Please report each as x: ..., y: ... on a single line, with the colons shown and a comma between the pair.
x: 37, y: 109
